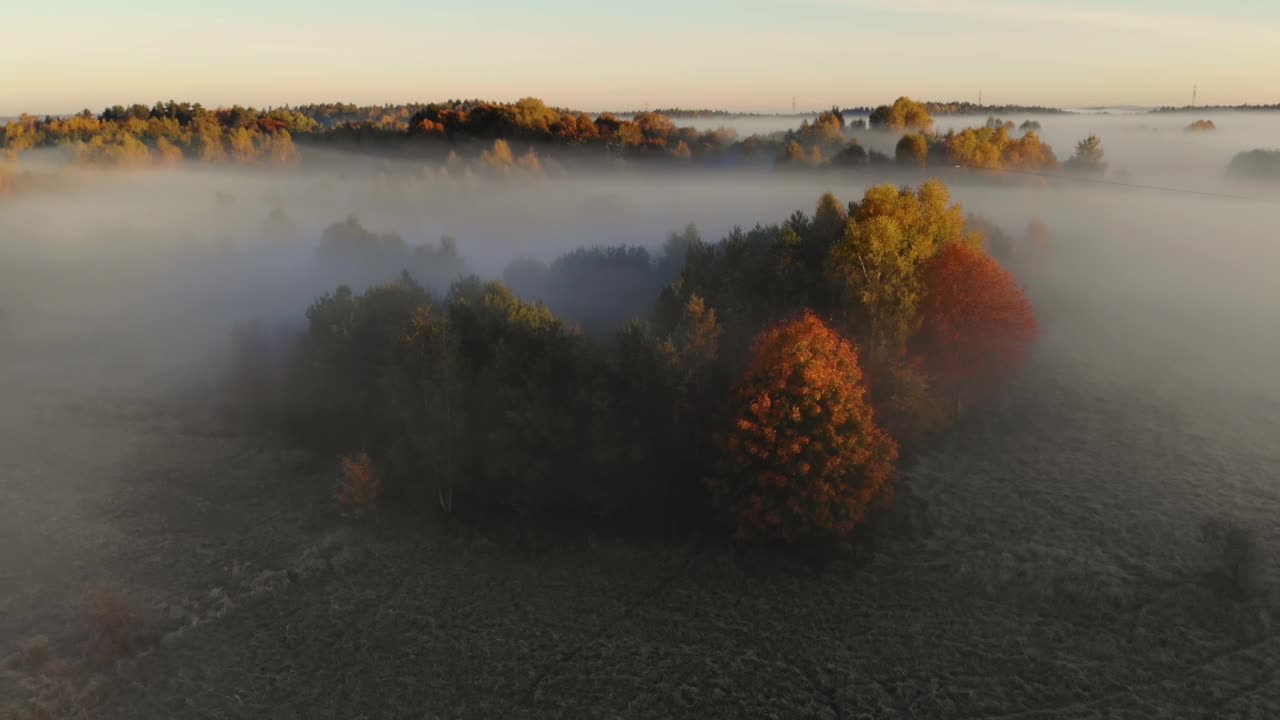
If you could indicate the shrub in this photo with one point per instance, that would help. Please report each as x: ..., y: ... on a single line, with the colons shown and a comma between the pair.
x: 114, y: 624
x: 361, y: 487
x: 1202, y: 126
x: 32, y: 656
x: 1235, y: 557
x: 804, y: 458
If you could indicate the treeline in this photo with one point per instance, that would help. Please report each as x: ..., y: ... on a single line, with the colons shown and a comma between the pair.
x: 164, y: 133
x: 1214, y: 108
x: 767, y: 387
x: 994, y: 146
x: 957, y: 107
x: 473, y: 133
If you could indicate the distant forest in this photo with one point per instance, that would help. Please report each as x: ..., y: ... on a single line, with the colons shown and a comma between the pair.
x: 529, y: 136
x: 957, y: 107
x: 1214, y: 108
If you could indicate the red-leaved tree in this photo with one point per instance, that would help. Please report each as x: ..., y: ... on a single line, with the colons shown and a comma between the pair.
x: 804, y: 458
x: 977, y: 323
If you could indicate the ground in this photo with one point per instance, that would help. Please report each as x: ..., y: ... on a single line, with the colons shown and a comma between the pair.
x: 1050, y: 569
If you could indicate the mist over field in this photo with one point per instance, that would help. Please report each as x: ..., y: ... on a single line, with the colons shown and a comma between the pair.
x: 194, y: 250
x: 1149, y: 403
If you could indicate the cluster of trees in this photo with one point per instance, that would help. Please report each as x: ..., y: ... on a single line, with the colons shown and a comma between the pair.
x: 602, y: 288
x: 825, y: 142
x: 957, y: 107
x: 1201, y: 126
x: 328, y: 115
x: 164, y: 133
x: 771, y: 384
x: 995, y: 147
x: 991, y: 146
x: 1256, y: 165
x: 175, y: 132
x: 903, y: 114
x: 351, y: 253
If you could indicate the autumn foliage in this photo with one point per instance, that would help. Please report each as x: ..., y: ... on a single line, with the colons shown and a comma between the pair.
x: 977, y: 323
x: 804, y: 458
x: 482, y: 399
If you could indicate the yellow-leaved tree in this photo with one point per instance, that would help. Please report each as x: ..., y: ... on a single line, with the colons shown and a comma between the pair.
x: 875, y: 266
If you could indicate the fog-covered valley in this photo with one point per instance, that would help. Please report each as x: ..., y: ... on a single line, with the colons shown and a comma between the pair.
x: 1064, y: 517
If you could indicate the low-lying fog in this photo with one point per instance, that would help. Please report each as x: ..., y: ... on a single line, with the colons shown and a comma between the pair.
x: 141, y: 276
x: 1147, y: 146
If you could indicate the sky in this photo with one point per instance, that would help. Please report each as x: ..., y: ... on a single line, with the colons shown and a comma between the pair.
x: 754, y: 55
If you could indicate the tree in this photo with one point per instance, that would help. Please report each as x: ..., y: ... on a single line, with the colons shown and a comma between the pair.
x: 804, y: 458
x: 904, y: 114
x: 432, y: 404
x: 1088, y: 157
x: 912, y: 150
x: 499, y: 156
x: 874, y: 267
x: 978, y: 325
x: 992, y: 147
x: 697, y: 335
x: 852, y: 155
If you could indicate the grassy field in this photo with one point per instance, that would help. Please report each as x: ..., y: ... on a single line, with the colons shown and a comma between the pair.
x: 1043, y: 561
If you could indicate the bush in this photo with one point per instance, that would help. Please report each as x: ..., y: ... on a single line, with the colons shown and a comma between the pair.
x: 804, y: 458
x: 114, y: 624
x: 1202, y: 126
x: 361, y: 487
x: 1234, y: 556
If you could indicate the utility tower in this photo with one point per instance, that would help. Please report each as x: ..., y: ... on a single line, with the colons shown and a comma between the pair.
x: 793, y: 104
x: 1195, y: 89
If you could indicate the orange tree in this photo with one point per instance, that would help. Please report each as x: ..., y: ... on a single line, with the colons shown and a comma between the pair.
x: 977, y: 325
x: 804, y: 458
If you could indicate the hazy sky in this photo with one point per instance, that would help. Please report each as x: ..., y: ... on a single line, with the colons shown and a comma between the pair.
x: 63, y: 55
